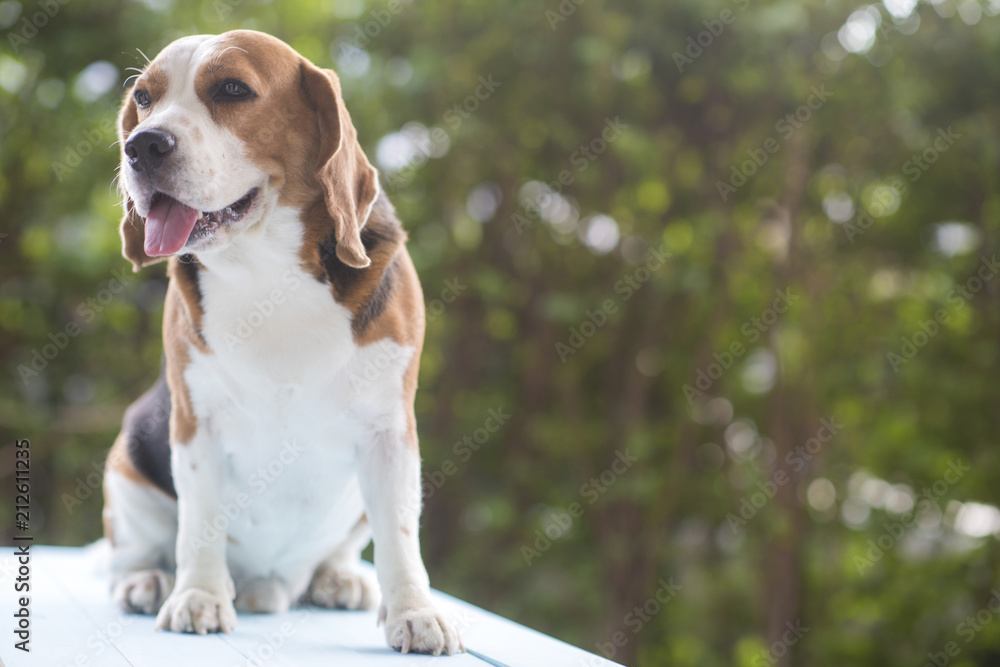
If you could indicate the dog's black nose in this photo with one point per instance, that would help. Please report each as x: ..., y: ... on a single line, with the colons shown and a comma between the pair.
x: 146, y: 149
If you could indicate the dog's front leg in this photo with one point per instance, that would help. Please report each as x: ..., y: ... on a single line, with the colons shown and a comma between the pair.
x: 202, y: 599
x: 389, y: 473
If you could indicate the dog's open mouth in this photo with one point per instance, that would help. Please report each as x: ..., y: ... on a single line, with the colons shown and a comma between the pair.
x: 170, y: 225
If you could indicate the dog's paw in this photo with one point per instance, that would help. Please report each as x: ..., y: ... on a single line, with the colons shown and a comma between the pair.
x: 198, y: 611
x: 342, y: 588
x: 143, y: 592
x: 421, y: 630
x: 263, y: 596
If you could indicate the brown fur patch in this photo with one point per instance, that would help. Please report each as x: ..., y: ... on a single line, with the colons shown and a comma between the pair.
x: 120, y: 462
x: 179, y: 335
x: 184, y: 271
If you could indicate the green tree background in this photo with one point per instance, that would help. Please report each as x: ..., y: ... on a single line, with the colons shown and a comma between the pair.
x: 544, y: 301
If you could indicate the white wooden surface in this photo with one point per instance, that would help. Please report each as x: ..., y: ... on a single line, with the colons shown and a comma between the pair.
x: 74, y: 623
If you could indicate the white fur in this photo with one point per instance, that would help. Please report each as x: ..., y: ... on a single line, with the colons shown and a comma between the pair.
x: 287, y: 403
x: 143, y: 518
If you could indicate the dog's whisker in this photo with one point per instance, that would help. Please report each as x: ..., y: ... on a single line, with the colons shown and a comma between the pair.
x: 228, y: 48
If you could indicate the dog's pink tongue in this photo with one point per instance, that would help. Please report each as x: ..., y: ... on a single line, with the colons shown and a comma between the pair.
x: 168, y: 226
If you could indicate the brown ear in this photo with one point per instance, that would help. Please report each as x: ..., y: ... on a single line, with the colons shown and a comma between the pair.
x: 349, y: 181
x: 133, y: 230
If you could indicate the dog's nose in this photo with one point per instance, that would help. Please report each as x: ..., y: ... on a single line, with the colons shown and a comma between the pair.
x: 146, y: 149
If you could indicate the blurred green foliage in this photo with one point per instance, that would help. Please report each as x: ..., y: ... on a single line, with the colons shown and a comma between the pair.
x: 549, y: 313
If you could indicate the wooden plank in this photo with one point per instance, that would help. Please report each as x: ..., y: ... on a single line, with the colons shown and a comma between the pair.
x: 134, y: 636
x: 512, y: 644
x: 75, y: 623
x: 62, y: 632
x: 321, y: 637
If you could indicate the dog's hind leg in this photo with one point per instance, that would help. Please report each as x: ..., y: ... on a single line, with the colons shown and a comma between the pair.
x: 339, y: 582
x: 140, y: 523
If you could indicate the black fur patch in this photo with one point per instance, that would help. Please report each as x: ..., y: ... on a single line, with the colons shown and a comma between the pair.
x: 342, y: 277
x: 147, y: 434
x: 377, y: 302
x: 381, y: 234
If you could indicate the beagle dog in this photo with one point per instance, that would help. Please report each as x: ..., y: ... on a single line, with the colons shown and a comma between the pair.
x: 280, y: 437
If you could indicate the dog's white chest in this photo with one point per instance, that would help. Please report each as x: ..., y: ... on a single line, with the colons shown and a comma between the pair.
x: 287, y: 398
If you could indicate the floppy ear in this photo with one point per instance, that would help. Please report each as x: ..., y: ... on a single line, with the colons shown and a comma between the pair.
x: 133, y: 229
x: 349, y: 181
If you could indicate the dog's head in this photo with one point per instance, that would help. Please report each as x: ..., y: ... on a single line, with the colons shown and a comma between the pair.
x: 219, y: 130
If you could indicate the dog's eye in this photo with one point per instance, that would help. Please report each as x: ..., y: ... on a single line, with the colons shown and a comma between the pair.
x: 142, y: 99
x: 233, y: 90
